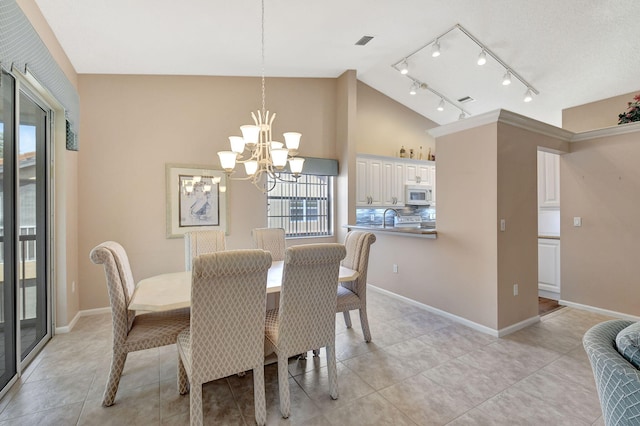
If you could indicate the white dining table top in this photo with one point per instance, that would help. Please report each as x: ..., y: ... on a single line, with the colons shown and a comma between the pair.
x: 173, y: 290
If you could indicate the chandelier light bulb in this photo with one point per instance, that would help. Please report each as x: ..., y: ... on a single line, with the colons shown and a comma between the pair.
x: 404, y: 67
x: 435, y: 52
x: 482, y: 58
x: 441, y: 105
x: 528, y: 95
x: 227, y: 160
x: 250, y: 167
x: 292, y: 140
x: 506, y: 80
x: 237, y: 144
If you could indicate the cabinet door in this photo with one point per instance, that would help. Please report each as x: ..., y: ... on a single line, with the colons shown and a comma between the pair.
x: 375, y: 182
x: 398, y: 182
x: 362, y: 193
x: 548, y: 180
x: 432, y: 181
x: 549, y: 265
x: 417, y: 174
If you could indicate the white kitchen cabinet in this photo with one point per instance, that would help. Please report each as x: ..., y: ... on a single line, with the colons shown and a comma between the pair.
x: 548, y: 180
x: 549, y: 268
x: 368, y: 181
x: 380, y: 181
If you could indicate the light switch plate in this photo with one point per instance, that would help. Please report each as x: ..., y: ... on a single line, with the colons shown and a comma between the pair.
x: 577, y: 221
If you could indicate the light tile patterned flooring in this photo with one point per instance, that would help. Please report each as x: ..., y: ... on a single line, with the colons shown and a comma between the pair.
x: 420, y: 369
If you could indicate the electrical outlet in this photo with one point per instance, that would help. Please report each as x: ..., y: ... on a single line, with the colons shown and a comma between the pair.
x: 372, y: 217
x: 395, y: 268
x: 515, y: 289
x: 73, y: 286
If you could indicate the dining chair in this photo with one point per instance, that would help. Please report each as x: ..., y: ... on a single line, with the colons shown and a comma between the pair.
x: 131, y: 332
x: 271, y: 240
x: 201, y: 242
x: 226, y: 335
x: 306, y: 317
x: 353, y: 294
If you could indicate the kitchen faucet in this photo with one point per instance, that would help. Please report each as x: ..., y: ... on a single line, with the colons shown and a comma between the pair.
x: 384, y: 216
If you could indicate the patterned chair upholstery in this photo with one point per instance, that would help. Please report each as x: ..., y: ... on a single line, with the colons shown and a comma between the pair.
x: 271, y: 240
x: 306, y: 317
x: 228, y: 303
x: 617, y: 380
x: 131, y: 332
x: 353, y: 294
x: 201, y: 242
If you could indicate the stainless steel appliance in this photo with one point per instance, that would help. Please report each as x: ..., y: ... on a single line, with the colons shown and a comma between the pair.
x: 418, y: 195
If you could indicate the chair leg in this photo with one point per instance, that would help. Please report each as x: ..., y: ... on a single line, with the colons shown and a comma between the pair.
x: 347, y: 318
x: 332, y: 370
x: 195, y: 402
x: 283, y: 385
x: 259, y: 395
x: 365, y: 324
x: 117, y: 365
x: 183, y: 379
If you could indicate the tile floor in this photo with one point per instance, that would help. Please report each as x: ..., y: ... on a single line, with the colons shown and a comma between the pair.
x: 420, y: 369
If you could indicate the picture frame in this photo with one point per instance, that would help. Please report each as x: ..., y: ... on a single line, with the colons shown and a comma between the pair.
x: 196, y: 199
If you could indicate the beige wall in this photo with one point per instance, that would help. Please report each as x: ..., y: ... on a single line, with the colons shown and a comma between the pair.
x: 384, y: 126
x: 596, y: 115
x: 600, y: 182
x: 457, y: 272
x: 133, y: 125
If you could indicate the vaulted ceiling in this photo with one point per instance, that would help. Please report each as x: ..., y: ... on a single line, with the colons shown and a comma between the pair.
x: 571, y: 51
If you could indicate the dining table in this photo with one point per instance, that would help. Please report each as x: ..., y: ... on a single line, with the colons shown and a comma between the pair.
x: 173, y: 290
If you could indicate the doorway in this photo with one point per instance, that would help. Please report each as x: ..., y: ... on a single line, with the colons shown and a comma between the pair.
x: 549, y: 225
x: 25, y: 308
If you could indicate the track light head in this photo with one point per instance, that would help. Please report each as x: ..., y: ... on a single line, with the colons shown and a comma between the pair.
x: 462, y: 115
x: 414, y: 88
x: 506, y: 80
x: 441, y: 105
x: 404, y: 67
x: 482, y: 58
x: 435, y: 50
x: 528, y: 95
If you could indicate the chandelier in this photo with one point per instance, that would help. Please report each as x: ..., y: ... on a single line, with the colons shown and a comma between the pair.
x: 264, y: 156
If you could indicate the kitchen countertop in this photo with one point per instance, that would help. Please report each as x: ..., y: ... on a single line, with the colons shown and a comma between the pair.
x: 429, y: 232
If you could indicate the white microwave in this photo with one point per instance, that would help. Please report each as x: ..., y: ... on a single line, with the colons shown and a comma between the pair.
x: 418, y: 195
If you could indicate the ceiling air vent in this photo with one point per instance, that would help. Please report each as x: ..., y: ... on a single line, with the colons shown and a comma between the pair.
x: 466, y: 100
x: 364, y: 40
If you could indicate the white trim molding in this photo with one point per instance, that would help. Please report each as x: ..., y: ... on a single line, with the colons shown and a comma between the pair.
x: 600, y: 311
x: 85, y: 313
x: 607, y: 131
x: 474, y: 325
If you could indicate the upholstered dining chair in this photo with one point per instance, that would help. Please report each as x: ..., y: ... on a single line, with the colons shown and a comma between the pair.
x: 306, y: 317
x: 201, y: 242
x: 131, y: 332
x: 353, y: 294
x: 228, y: 304
x: 271, y: 240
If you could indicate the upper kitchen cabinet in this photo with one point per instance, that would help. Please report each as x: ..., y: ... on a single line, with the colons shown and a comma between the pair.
x: 380, y: 181
x: 548, y: 180
x: 368, y: 181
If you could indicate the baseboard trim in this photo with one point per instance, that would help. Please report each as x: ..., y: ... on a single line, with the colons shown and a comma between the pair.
x: 464, y: 321
x: 601, y: 311
x: 85, y: 313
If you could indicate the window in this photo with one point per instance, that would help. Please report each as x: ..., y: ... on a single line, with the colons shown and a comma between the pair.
x: 303, y: 208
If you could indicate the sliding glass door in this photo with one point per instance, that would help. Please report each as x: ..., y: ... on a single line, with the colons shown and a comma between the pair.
x: 25, y: 315
x: 8, y: 367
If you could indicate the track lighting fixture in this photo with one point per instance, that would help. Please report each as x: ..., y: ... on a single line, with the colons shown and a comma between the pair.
x: 528, y: 95
x: 441, y: 105
x: 435, y: 52
x: 506, y: 80
x: 462, y: 115
x: 482, y: 58
x: 414, y: 88
x: 404, y: 67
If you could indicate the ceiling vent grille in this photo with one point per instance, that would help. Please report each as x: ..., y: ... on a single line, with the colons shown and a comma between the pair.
x: 466, y: 100
x: 364, y: 40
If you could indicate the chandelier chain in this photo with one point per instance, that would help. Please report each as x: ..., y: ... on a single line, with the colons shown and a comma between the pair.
x: 263, y: 85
